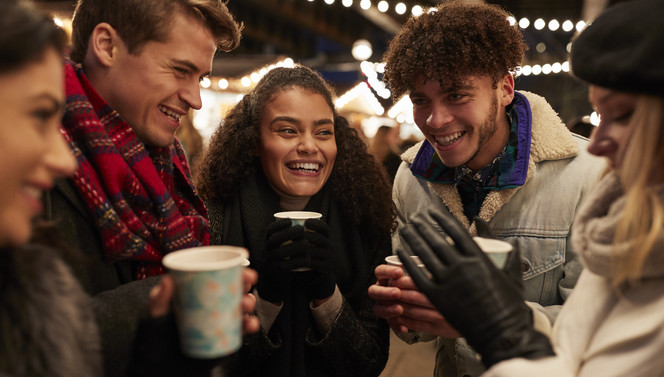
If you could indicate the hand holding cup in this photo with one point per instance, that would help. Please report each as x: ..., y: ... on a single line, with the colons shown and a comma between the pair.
x: 481, y: 301
x: 208, y: 296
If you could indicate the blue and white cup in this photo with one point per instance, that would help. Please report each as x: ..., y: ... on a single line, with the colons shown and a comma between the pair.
x: 208, y: 294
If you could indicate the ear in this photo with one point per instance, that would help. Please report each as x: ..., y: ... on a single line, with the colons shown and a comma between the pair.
x: 506, y: 89
x: 104, y: 43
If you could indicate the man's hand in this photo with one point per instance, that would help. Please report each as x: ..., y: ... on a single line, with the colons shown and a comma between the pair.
x: 403, y: 306
x: 486, y: 304
x: 162, y: 294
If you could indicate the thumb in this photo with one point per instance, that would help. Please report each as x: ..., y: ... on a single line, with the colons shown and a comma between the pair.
x: 160, y: 297
x: 513, y: 265
x: 483, y: 229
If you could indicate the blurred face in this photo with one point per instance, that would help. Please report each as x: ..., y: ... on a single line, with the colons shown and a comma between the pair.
x: 297, y: 146
x: 32, y: 150
x: 612, y: 135
x: 467, y: 124
x: 161, y: 83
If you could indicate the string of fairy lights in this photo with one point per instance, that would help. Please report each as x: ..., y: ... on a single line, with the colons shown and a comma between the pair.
x: 401, y: 111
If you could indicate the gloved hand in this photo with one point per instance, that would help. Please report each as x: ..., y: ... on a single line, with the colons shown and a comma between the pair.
x: 482, y: 302
x: 285, y: 250
x: 320, y: 280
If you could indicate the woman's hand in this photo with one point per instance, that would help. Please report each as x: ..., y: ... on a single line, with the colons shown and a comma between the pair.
x: 484, y: 303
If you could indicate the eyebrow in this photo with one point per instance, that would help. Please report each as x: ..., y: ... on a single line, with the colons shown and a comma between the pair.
x: 57, y: 105
x: 191, y: 66
x: 449, y: 89
x: 284, y: 118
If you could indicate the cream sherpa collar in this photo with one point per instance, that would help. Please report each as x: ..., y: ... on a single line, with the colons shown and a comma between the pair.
x: 551, y: 140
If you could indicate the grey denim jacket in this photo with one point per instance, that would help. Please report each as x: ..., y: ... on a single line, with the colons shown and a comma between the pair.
x: 536, y: 216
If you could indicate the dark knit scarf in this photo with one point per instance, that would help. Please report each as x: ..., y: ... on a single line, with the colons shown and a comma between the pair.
x: 244, y: 221
x: 142, y: 200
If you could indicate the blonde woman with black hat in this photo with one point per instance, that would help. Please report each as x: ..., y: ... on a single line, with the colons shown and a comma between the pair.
x: 613, y: 323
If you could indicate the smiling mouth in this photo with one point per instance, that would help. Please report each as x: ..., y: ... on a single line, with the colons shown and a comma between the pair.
x: 175, y: 116
x: 449, y: 139
x: 304, y: 167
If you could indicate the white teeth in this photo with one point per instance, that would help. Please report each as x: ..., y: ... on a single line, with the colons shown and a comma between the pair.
x: 170, y: 113
x: 304, y: 166
x: 447, y: 140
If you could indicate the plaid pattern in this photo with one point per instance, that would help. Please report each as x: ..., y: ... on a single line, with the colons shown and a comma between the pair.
x: 141, y: 199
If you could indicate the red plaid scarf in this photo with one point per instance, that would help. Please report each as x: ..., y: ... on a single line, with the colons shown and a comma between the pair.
x: 141, y: 198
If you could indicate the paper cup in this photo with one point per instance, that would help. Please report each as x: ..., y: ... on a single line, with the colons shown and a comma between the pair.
x: 208, y: 292
x: 393, y: 260
x: 496, y: 250
x: 298, y: 218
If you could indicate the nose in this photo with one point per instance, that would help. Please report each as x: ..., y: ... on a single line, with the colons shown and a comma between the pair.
x: 601, y: 142
x: 440, y: 116
x: 191, y: 94
x: 307, y: 144
x: 59, y: 159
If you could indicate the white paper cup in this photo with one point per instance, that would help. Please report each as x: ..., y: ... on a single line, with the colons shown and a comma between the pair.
x: 298, y: 218
x: 496, y: 250
x: 393, y: 260
x: 208, y: 293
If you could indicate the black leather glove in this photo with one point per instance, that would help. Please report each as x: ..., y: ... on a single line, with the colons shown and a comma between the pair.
x: 483, y: 303
x: 320, y: 280
x: 285, y: 250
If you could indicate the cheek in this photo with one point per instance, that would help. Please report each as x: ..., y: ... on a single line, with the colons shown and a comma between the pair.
x: 331, y: 152
x: 420, y: 117
x: 15, y: 225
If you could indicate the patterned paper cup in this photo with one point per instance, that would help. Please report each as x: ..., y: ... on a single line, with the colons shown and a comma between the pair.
x: 298, y: 218
x: 208, y: 292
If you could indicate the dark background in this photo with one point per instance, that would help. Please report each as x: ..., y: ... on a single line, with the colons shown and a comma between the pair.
x: 320, y: 35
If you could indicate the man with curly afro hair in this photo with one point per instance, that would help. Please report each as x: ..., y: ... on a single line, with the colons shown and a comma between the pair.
x: 491, y: 153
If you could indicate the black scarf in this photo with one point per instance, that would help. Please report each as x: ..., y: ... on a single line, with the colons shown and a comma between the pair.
x: 244, y: 220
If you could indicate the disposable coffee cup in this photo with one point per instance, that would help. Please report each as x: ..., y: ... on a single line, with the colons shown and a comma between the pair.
x: 298, y: 218
x: 393, y: 260
x: 208, y: 294
x: 496, y: 250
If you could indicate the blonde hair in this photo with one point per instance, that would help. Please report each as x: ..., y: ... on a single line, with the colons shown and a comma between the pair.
x: 642, y: 221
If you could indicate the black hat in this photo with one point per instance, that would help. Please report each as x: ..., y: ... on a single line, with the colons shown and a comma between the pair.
x: 623, y: 49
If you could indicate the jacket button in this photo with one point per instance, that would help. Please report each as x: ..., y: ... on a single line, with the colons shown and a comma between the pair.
x: 525, y: 266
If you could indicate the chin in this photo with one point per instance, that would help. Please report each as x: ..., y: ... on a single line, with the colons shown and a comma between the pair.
x: 19, y: 237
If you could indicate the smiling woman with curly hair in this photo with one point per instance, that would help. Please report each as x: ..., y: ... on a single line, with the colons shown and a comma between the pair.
x: 283, y: 147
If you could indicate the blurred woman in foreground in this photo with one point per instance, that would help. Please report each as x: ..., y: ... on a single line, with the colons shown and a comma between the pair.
x: 47, y: 327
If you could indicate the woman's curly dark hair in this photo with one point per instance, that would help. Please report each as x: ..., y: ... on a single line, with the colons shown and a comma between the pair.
x: 454, y: 41
x: 357, y: 181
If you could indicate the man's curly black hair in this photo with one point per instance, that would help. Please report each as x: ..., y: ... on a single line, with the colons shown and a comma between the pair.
x: 357, y: 182
x: 451, y: 43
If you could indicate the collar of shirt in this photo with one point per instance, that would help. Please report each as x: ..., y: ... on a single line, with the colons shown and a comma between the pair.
x: 507, y: 170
